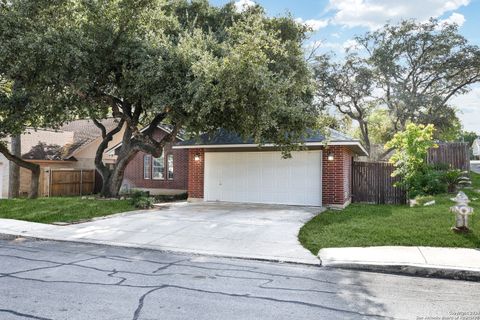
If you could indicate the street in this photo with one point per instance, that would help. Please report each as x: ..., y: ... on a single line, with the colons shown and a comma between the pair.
x: 61, y: 280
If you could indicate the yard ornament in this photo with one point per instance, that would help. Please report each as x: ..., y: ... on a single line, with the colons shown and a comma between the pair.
x: 462, y: 210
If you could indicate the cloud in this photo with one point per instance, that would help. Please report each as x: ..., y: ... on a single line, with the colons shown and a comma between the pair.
x: 313, y: 23
x: 455, y: 18
x: 375, y: 13
x: 469, y: 106
x: 242, y: 5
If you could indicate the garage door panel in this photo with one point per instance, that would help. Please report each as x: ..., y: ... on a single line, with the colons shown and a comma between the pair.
x: 263, y: 177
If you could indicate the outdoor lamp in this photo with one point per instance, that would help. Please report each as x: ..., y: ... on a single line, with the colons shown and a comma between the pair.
x: 331, y: 157
x: 196, y: 157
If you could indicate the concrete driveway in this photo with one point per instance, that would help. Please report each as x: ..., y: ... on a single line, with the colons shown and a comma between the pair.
x: 223, y: 229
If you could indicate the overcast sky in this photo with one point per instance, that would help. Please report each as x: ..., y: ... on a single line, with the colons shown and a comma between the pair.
x: 337, y: 21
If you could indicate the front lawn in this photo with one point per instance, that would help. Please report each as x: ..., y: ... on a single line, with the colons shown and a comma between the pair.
x: 363, y: 225
x: 62, y: 209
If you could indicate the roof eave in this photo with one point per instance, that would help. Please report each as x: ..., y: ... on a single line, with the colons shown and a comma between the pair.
x: 354, y: 143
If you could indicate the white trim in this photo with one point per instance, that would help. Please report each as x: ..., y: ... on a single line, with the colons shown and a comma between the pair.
x: 252, y: 145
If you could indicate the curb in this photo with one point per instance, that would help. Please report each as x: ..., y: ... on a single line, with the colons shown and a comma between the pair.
x: 13, y: 236
x: 409, y: 270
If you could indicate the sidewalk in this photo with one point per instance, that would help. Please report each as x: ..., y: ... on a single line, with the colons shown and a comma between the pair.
x: 452, y: 263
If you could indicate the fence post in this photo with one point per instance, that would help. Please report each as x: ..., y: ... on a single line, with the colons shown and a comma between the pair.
x: 81, y: 182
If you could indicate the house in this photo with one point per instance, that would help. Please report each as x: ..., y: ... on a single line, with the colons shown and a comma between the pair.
x: 167, y: 174
x: 223, y: 167
x: 476, y: 148
x: 73, y: 146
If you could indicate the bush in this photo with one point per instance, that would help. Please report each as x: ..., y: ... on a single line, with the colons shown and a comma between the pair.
x: 427, y: 181
x: 143, y: 203
x: 141, y: 199
x: 170, y: 198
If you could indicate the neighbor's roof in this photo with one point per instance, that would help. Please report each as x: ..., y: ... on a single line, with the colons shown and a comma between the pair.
x: 226, y: 139
x: 61, y: 144
x: 85, y: 132
x: 165, y: 127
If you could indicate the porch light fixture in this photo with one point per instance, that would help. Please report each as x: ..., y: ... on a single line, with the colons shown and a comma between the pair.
x: 196, y: 157
x: 331, y: 157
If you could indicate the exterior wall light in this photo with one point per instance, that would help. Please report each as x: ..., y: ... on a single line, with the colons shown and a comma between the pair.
x: 196, y: 157
x: 331, y: 157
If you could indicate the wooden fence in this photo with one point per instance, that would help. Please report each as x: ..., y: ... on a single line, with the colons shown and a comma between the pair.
x: 71, y: 182
x: 455, y: 154
x: 372, y: 183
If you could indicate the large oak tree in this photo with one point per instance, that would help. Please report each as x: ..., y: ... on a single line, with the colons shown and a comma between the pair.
x: 183, y: 63
x: 411, y: 70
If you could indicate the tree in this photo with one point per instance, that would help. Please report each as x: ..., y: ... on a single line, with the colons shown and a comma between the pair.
x: 349, y: 87
x: 420, y: 67
x: 14, y: 119
x: 412, y: 70
x: 184, y: 63
x: 411, y: 149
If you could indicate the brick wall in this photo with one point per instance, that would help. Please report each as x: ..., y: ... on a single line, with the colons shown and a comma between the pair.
x: 336, y: 176
x: 196, y: 170
x: 134, y: 177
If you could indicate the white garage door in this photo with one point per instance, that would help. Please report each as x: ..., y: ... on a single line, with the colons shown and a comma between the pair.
x: 264, y: 177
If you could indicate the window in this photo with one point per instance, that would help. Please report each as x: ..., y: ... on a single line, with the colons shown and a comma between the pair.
x: 158, y: 168
x: 170, y: 167
x: 147, y: 166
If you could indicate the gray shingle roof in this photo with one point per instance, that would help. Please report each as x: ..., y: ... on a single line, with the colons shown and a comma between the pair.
x: 223, y: 137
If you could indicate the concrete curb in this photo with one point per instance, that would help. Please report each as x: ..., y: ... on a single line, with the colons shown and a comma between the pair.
x: 430, y: 262
x: 13, y: 235
x: 410, y: 270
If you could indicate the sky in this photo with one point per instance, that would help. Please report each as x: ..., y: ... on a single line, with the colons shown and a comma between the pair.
x: 336, y: 22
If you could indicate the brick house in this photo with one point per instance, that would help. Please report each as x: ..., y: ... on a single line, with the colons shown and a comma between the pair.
x: 223, y: 167
x: 165, y: 175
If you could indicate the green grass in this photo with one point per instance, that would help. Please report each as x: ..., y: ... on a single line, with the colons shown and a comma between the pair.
x: 362, y: 225
x: 62, y: 209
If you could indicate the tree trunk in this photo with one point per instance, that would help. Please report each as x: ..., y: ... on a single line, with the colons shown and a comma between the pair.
x: 365, y: 134
x: 34, y: 184
x: 33, y: 167
x: 112, y: 181
x: 14, y: 174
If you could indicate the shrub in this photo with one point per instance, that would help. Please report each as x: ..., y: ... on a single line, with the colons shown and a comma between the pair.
x: 411, y: 149
x: 141, y: 199
x: 169, y: 198
x: 143, y: 203
x: 427, y: 181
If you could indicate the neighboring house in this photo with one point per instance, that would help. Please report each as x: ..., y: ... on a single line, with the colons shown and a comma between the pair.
x: 73, y: 146
x: 165, y: 175
x: 476, y: 148
x: 222, y: 167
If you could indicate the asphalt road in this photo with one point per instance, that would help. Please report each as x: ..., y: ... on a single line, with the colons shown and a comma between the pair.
x: 55, y: 280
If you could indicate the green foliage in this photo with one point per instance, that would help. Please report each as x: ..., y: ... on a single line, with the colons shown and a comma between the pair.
x: 60, y: 209
x: 364, y: 225
x: 399, y: 74
x: 427, y: 181
x: 184, y: 63
x: 411, y: 149
x: 171, y: 198
x: 143, y: 203
x: 141, y: 199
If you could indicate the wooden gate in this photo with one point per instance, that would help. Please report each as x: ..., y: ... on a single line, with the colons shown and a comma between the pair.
x: 71, y: 182
x: 372, y: 183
